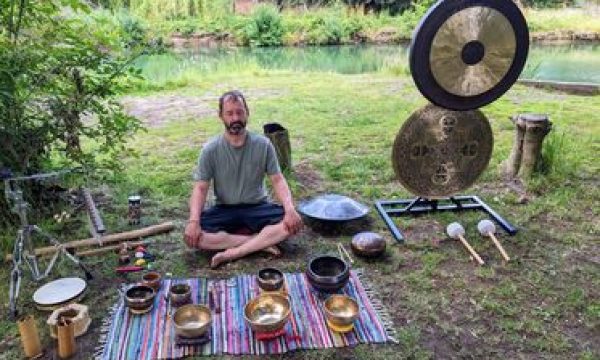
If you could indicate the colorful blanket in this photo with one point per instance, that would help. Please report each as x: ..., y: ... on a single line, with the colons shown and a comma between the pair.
x: 152, y: 335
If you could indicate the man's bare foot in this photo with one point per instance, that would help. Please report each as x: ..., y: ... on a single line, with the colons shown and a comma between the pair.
x: 222, y: 257
x: 273, y: 250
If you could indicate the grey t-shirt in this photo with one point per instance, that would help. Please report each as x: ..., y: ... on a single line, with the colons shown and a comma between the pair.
x: 237, y: 173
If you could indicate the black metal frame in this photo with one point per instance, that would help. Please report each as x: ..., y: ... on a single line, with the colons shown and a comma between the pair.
x: 419, y: 205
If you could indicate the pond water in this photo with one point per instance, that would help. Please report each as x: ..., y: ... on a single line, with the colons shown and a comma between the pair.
x: 571, y: 62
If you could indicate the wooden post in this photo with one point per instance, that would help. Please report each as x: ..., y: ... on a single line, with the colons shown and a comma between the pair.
x: 527, y: 148
x: 280, y: 139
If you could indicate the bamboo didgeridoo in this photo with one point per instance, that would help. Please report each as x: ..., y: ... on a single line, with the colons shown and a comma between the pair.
x: 112, y: 238
x: 29, y: 337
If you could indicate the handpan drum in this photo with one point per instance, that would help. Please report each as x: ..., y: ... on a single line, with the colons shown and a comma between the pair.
x: 440, y: 152
x: 467, y: 53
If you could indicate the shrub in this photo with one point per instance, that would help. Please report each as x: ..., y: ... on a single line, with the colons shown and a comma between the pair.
x: 264, y: 27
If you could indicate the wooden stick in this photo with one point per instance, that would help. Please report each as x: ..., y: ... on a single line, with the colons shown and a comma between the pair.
x: 499, y: 246
x: 216, y: 299
x: 343, y: 252
x: 105, y: 249
x: 112, y: 238
x: 473, y: 252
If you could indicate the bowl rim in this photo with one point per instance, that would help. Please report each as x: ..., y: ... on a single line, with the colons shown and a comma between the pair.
x: 187, y: 287
x: 200, y: 307
x: 151, y: 294
x: 256, y: 298
x: 344, y: 273
x: 154, y: 276
x: 270, y: 269
x: 344, y: 296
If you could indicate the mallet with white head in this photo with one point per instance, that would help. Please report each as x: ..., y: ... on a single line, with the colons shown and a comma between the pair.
x: 487, y: 228
x: 456, y: 231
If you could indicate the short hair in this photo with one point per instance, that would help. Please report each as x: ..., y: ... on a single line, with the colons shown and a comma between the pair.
x: 235, y: 95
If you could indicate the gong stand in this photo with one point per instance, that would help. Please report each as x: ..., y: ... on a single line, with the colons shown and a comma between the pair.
x: 413, y: 207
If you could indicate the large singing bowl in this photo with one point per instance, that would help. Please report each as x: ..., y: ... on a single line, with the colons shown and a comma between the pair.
x: 267, y: 312
x: 192, y: 320
x: 328, y: 273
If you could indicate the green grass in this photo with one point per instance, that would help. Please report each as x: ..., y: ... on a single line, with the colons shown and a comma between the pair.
x: 576, y: 19
x: 342, y: 126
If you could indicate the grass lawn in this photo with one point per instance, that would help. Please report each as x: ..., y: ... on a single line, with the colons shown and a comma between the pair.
x: 543, y: 304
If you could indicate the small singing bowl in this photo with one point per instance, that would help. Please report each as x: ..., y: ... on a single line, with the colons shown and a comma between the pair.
x: 368, y: 244
x: 341, y: 311
x: 267, y: 312
x: 270, y: 279
x: 140, y: 298
x: 180, y: 294
x: 192, y: 320
x: 151, y: 279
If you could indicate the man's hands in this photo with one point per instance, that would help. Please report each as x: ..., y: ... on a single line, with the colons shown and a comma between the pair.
x: 292, y: 221
x: 193, y: 234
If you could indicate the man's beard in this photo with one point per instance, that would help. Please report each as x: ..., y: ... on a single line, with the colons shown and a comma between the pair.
x: 236, y: 127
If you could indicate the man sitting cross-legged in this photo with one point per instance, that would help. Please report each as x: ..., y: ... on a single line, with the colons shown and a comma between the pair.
x: 236, y: 162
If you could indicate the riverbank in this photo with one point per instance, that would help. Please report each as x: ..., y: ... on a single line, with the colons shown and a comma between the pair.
x: 337, y: 27
x: 383, y: 37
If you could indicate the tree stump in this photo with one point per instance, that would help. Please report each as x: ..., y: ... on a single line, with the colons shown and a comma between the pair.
x: 531, y: 129
x: 280, y: 139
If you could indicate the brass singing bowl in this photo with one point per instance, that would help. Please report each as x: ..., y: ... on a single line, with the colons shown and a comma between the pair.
x: 270, y: 279
x: 192, y: 320
x: 341, y: 310
x: 140, y: 298
x: 152, y: 279
x: 180, y: 293
x: 267, y: 312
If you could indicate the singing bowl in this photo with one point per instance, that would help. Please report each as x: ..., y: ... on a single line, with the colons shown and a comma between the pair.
x: 180, y: 294
x: 270, y: 279
x: 151, y: 279
x: 341, y: 311
x: 267, y: 312
x: 140, y: 298
x: 192, y: 320
x: 328, y: 273
x: 368, y: 244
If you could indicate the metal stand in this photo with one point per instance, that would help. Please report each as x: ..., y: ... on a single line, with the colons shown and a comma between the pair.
x: 23, y: 248
x: 419, y: 205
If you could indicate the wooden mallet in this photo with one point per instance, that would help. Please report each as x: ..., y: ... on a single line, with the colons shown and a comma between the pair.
x: 456, y: 231
x: 487, y: 228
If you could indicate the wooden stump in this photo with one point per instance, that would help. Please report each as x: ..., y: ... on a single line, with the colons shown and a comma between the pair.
x: 280, y: 139
x: 531, y: 129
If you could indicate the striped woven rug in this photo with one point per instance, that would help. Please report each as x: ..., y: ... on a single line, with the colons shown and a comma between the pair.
x: 152, y: 336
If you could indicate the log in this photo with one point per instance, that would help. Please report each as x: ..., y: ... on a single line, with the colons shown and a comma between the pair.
x: 527, y: 147
x: 112, y: 238
x: 280, y: 139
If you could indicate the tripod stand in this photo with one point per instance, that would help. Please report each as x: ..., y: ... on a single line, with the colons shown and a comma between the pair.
x: 23, y: 250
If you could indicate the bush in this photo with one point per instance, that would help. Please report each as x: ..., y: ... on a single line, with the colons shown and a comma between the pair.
x: 58, y: 80
x: 264, y: 27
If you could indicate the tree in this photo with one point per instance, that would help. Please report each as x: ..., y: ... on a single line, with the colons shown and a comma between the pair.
x: 60, y: 69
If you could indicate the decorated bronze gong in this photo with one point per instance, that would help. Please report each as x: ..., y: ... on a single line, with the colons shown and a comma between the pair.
x: 467, y: 53
x: 439, y: 152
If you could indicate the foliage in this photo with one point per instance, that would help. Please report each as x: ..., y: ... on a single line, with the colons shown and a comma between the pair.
x: 264, y: 27
x: 59, y: 71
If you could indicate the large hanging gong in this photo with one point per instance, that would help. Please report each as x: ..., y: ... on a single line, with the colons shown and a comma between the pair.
x: 440, y: 152
x: 467, y: 53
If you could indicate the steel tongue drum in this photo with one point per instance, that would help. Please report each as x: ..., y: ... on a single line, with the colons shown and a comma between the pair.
x: 465, y: 54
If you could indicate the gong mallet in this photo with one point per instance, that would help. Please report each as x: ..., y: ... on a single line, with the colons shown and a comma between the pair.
x: 456, y: 231
x: 487, y: 228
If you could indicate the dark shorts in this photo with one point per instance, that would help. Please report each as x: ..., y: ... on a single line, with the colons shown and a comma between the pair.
x: 232, y: 218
